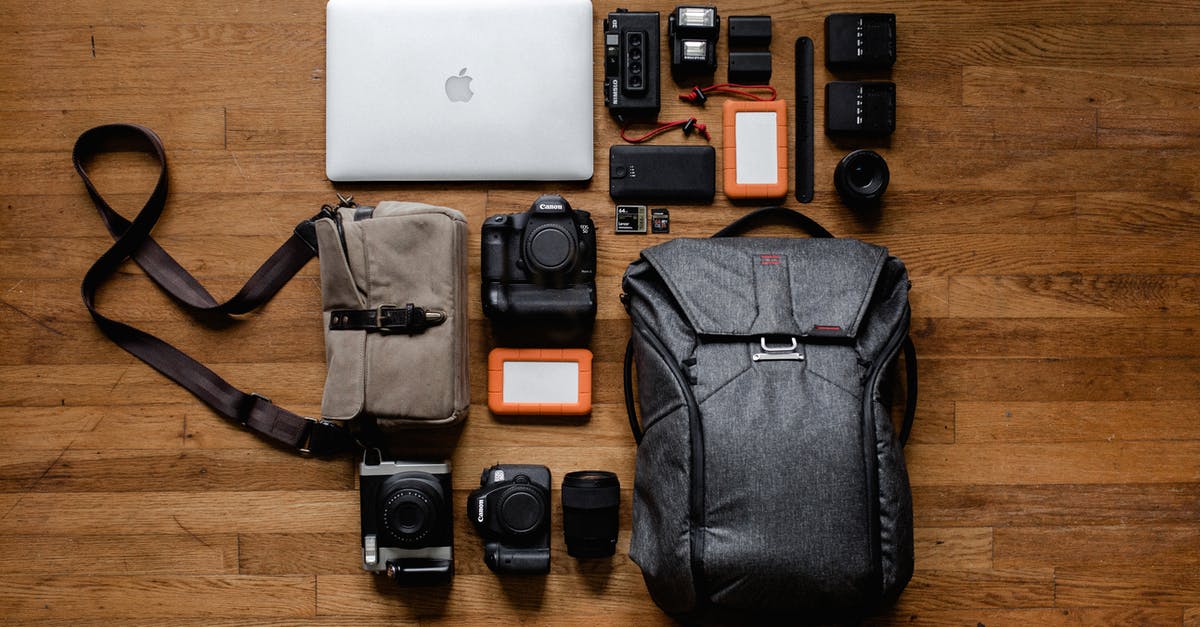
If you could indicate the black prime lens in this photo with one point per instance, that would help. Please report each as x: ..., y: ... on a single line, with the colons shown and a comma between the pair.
x: 591, y: 501
x: 861, y: 178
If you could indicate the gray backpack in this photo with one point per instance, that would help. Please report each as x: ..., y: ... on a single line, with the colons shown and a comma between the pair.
x: 769, y: 478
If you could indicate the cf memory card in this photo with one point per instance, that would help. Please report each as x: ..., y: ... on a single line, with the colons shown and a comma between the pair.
x: 631, y: 218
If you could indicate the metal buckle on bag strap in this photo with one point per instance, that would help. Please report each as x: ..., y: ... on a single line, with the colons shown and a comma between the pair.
x: 325, y: 438
x: 778, y: 352
x: 406, y: 319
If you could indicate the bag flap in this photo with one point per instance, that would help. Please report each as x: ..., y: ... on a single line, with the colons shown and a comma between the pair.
x: 395, y: 254
x: 759, y: 286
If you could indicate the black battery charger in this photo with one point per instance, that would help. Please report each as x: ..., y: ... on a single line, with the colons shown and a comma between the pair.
x: 860, y: 108
x: 860, y: 41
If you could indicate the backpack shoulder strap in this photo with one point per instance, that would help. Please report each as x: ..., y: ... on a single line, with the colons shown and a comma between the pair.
x: 133, y: 241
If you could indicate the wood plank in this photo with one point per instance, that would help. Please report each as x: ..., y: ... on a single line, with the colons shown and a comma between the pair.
x: 1191, y: 616
x: 198, y: 513
x: 1060, y: 462
x: 1147, y: 585
x: 1161, y: 128
x: 1075, y: 295
x: 167, y: 554
x: 57, y: 130
x: 1078, y: 170
x: 617, y: 597
x: 1166, y: 213
x: 1121, y: 548
x: 1082, y: 421
x: 1062, y: 338
x: 50, y: 45
x: 1055, y: 505
x: 1061, y: 379
x: 1054, y: 45
x: 274, y: 621
x: 21, y: 470
x: 1000, y: 127
x: 293, y: 553
x: 1124, y: 87
x: 1047, y: 617
x: 964, y: 589
x: 151, y: 470
x: 112, y: 596
x: 934, y: 422
x: 953, y: 548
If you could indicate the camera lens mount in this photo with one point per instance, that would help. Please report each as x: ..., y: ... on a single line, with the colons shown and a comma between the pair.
x: 551, y: 249
x: 861, y: 178
x: 520, y: 510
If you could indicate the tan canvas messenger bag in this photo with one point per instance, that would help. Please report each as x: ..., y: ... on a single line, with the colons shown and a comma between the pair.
x: 393, y: 291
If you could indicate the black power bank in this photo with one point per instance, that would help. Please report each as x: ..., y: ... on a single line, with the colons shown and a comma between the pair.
x: 662, y: 173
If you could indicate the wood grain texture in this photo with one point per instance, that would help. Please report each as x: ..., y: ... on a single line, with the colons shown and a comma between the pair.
x: 1045, y: 196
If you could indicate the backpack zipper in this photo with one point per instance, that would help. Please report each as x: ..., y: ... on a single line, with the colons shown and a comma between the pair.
x: 696, y: 514
x: 870, y: 438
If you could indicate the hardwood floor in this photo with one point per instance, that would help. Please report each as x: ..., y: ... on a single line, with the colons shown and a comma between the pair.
x: 1045, y: 196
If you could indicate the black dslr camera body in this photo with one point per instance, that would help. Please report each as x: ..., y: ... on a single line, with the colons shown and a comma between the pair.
x: 539, y: 275
x: 407, y: 522
x: 511, y: 512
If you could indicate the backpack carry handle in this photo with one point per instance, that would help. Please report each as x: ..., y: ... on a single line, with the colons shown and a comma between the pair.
x: 781, y: 214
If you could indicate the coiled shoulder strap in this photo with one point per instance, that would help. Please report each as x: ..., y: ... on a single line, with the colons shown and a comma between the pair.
x: 133, y: 241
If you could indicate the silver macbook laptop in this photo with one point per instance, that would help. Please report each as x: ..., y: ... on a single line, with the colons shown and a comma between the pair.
x: 458, y: 90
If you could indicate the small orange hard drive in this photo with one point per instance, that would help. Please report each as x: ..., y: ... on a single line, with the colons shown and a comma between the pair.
x: 755, y: 151
x: 540, y: 381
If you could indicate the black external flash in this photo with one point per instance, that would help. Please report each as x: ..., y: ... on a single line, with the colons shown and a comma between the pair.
x: 692, y: 32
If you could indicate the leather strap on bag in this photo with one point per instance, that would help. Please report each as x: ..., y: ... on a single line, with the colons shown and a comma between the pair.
x: 133, y: 241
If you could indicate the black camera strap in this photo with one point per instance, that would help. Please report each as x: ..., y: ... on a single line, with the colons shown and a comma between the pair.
x: 133, y: 241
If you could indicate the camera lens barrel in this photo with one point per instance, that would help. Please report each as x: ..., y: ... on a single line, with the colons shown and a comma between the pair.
x: 591, y: 501
x: 410, y: 507
x: 861, y: 177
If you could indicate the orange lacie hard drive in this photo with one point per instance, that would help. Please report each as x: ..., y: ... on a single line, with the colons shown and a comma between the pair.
x: 755, y: 151
x: 540, y: 381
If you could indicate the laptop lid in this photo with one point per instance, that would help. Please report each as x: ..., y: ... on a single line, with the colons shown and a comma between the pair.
x: 424, y: 90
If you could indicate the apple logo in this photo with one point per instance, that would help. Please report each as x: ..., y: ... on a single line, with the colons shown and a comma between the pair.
x: 458, y: 88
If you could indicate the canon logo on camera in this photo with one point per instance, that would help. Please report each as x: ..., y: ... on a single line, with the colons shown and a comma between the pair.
x: 545, y: 206
x: 479, y: 517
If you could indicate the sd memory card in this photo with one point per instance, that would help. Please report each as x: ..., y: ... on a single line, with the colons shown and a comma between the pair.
x: 660, y: 220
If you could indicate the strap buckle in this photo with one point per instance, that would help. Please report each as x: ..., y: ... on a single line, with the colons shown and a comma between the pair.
x: 246, y: 408
x: 778, y: 352
x: 407, y: 319
x: 323, y: 438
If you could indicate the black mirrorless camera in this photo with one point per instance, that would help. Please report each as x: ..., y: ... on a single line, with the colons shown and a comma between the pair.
x: 539, y: 275
x: 511, y: 512
x: 407, y: 523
